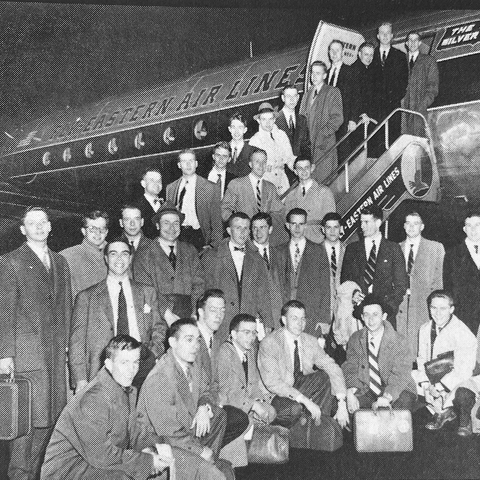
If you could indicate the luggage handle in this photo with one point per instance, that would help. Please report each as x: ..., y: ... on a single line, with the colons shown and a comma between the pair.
x: 375, y: 409
x: 10, y: 377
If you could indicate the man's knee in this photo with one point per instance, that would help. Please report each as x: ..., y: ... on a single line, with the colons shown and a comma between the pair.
x: 464, y: 398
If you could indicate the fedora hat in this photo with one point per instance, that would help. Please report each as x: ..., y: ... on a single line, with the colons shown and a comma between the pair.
x: 167, y: 207
x: 265, y: 107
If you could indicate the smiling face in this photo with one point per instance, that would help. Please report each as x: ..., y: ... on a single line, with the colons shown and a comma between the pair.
x: 332, y: 230
x: 373, y: 317
x: 221, y: 157
x: 237, y: 130
x: 335, y: 52
x: 413, y: 42
x: 123, y: 366
x: 239, y: 231
x: 187, y: 163
x: 385, y: 35
x: 152, y: 183
x: 118, y: 259
x: 96, y: 231
x: 169, y: 227
x: 295, y: 320
x: 366, y: 55
x: 290, y: 98
x: 472, y: 228
x: 245, y: 335
x: 304, y: 170
x: 36, y: 226
x: 187, y: 345
x: 441, y: 311
x: 266, y: 121
x: 258, y: 163
x: 413, y: 226
x: 261, y: 231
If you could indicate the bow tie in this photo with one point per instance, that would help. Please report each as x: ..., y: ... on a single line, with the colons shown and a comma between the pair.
x: 239, y: 249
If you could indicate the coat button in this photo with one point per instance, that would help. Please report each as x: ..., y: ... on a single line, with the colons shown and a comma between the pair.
x: 363, y: 367
x: 232, y: 304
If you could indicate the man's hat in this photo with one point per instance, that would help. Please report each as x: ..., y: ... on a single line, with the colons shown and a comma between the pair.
x: 265, y: 107
x: 167, y: 207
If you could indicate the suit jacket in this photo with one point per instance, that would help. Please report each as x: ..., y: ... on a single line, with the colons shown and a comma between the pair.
x: 93, y: 327
x: 390, y: 81
x: 276, y: 365
x: 220, y: 273
x: 209, y: 363
x: 152, y: 267
x: 168, y: 405
x: 334, y: 281
x: 313, y: 283
x: 149, y: 229
x: 233, y: 387
x: 390, y: 278
x: 324, y: 117
x: 422, y: 89
x: 143, y: 243
x: 349, y: 90
x: 462, y: 277
x: 35, y: 308
x: 241, y: 166
x: 240, y: 197
x: 394, y: 362
x: 363, y: 78
x: 207, y: 207
x: 317, y: 202
x: 300, y: 138
x: 426, y: 277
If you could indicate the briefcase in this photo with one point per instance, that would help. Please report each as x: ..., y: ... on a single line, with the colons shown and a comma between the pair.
x: 15, y: 407
x: 327, y: 436
x: 383, y: 430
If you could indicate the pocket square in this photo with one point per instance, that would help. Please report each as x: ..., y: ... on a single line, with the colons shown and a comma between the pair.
x: 147, y: 308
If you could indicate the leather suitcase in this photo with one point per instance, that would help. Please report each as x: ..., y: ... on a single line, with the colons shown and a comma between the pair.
x: 327, y: 437
x: 15, y: 407
x: 384, y: 430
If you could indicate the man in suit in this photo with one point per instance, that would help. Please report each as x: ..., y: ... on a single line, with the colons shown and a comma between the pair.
x: 461, y: 274
x: 85, y: 260
x: 115, y: 306
x: 131, y: 221
x: 341, y: 76
x: 422, y: 85
x: 390, y: 80
x: 377, y: 369
x: 171, y: 267
x: 177, y: 402
x: 424, y: 263
x: 100, y: 435
x: 219, y: 174
x: 376, y: 264
x: 262, y: 228
x: 252, y: 194
x: 298, y: 372
x: 237, y: 373
x: 199, y: 200
x: 35, y: 306
x: 241, y: 150
x: 323, y: 108
x: 316, y: 199
x: 238, y: 270
x: 303, y: 268
x: 151, y: 200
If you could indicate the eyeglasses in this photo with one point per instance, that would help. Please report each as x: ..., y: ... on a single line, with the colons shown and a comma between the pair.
x: 251, y: 333
x: 97, y: 230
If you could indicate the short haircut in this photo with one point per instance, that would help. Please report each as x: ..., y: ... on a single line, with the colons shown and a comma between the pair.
x: 335, y: 40
x: 93, y: 216
x: 440, y: 294
x: 235, y: 215
x: 296, y: 211
x: 33, y: 209
x: 222, y: 144
x: 301, y: 158
x: 117, y: 240
x: 372, y: 299
x: 130, y: 206
x: 385, y: 24
x: 412, y: 32
x: 175, y: 327
x: 366, y: 45
x: 291, y: 304
x: 331, y: 216
x: 150, y: 169
x: 320, y: 64
x: 237, y: 116
x: 186, y: 150
x: 263, y: 216
x: 413, y: 214
x: 256, y: 150
x: 238, y: 319
x: 289, y: 86
x: 210, y: 293
x: 119, y: 343
x: 471, y: 214
x: 373, y: 210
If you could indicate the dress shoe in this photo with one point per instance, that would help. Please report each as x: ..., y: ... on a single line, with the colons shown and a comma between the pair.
x: 465, y: 431
x: 441, y: 419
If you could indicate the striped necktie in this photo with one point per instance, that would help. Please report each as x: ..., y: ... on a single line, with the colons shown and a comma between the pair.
x: 235, y: 155
x: 297, y: 369
x: 259, y: 196
x: 296, y: 258
x: 245, y: 366
x: 181, y: 197
x: 265, y: 257
x: 370, y: 267
x: 333, y: 263
x: 373, y: 370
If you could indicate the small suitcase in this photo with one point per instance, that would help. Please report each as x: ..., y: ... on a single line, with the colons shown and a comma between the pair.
x: 15, y: 407
x: 384, y: 430
x: 327, y: 436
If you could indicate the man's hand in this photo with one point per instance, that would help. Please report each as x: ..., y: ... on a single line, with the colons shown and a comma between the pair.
x: 201, y: 421
x: 314, y: 410
x: 381, y: 402
x: 7, y: 366
x: 170, y: 317
x: 358, y: 297
x: 433, y: 391
x: 260, y: 409
x: 159, y: 464
x: 81, y: 384
x: 352, y: 401
x: 342, y: 415
x: 207, y: 454
x: 351, y: 126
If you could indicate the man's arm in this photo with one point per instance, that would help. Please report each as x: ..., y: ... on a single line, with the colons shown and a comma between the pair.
x: 334, y: 372
x: 159, y: 326
x: 400, y: 376
x: 400, y: 278
x: 335, y: 112
x: 8, y: 309
x: 230, y: 200
x: 432, y: 81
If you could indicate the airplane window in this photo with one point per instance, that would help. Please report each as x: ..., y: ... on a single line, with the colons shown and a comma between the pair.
x: 112, y: 146
x: 89, y: 150
x: 47, y: 158
x: 67, y: 155
x: 200, y: 129
x: 169, y: 135
x: 139, y: 141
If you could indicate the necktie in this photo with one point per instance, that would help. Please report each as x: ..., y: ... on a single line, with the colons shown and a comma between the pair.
x: 297, y: 370
x: 384, y: 58
x: 412, y: 61
x: 235, y: 153
x: 271, y: 136
x: 259, y: 196
x: 410, y: 260
x: 291, y: 124
x: 331, y: 80
x: 333, y: 263
x: 46, y: 260
x: 370, y: 267
x: 304, y: 191
x: 296, y: 259
x: 374, y: 371
x: 476, y: 249
x: 132, y: 244
x: 188, y: 374
x: 265, y: 257
x: 245, y: 367
x: 156, y: 201
x: 172, y: 257
x: 239, y: 249
x: 122, y: 319
x: 181, y: 196
x: 219, y: 179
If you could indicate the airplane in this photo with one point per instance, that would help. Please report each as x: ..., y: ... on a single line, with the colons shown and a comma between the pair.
x: 77, y: 160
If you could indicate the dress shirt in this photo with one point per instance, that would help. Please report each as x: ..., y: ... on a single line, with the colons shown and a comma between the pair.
x: 408, y: 242
x: 290, y: 339
x: 113, y: 286
x: 237, y: 257
x: 254, y: 180
x: 334, y: 71
x: 376, y: 339
x: 261, y: 249
x: 413, y: 56
x: 207, y: 336
x: 184, y: 366
x: 238, y: 146
x: 213, y: 177
x: 289, y: 114
x: 151, y: 200
x: 305, y: 185
x: 471, y: 248
x: 333, y: 246
x: 386, y: 50
x: 188, y: 206
x: 165, y: 245
x: 135, y: 241
x: 368, y: 244
x: 40, y: 252
x: 241, y: 354
x: 293, y: 246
